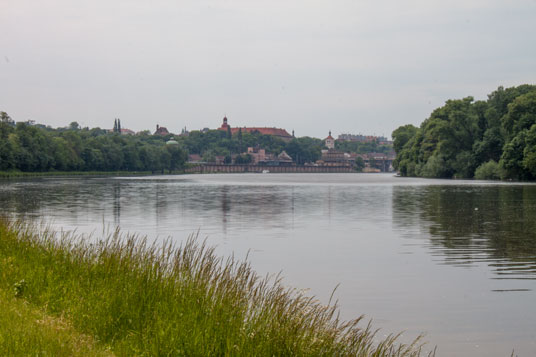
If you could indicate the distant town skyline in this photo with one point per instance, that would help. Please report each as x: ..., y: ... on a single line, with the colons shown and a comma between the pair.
x: 309, y: 66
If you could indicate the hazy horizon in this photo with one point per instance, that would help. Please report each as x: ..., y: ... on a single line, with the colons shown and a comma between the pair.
x: 309, y: 66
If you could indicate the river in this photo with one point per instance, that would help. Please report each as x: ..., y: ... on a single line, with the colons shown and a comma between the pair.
x: 453, y: 259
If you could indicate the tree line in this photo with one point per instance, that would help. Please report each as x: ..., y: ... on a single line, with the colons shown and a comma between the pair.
x: 35, y: 148
x: 28, y: 147
x: 491, y: 139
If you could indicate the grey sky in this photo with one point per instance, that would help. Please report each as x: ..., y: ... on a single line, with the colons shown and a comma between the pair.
x: 349, y: 66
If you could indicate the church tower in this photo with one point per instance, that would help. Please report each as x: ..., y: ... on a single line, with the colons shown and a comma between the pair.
x: 224, y: 125
x: 329, y: 142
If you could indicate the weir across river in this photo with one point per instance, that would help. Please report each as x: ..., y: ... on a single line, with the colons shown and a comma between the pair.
x: 214, y: 168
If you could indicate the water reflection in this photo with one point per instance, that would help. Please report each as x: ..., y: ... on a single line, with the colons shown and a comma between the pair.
x: 373, y: 234
x: 117, y: 203
x: 470, y: 224
x: 462, y: 224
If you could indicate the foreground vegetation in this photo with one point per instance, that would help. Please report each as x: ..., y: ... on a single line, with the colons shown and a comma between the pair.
x: 26, y: 330
x: 122, y: 296
x: 492, y: 139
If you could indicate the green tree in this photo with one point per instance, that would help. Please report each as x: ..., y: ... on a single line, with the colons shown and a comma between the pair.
x: 177, y: 157
x: 6, y: 119
x: 359, y: 164
x: 74, y: 126
x: 518, y: 157
x: 490, y: 170
x: 304, y: 150
x: 243, y: 159
x: 402, y: 135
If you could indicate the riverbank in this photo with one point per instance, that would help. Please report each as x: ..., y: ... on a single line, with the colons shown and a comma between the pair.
x: 207, y: 169
x: 129, y: 298
x: 20, y: 174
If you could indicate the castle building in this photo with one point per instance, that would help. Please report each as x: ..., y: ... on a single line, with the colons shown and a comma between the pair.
x: 277, y: 132
x: 160, y: 130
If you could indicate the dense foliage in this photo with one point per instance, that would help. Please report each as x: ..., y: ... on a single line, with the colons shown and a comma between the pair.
x: 464, y: 138
x: 32, y: 148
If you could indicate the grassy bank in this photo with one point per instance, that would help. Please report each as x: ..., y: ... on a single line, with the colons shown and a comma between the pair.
x: 122, y: 296
x: 26, y: 330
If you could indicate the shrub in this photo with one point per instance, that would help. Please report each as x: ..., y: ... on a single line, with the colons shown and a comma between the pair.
x: 490, y: 170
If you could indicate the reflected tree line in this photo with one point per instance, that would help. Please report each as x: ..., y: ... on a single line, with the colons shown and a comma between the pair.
x: 163, y: 200
x: 27, y: 198
x: 469, y: 223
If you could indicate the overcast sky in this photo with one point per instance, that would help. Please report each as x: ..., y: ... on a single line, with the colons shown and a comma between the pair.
x: 310, y: 66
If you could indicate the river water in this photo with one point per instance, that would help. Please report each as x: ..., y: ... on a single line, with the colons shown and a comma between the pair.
x: 455, y: 260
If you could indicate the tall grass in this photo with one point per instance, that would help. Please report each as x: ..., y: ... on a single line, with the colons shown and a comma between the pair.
x: 134, y: 298
x: 26, y: 330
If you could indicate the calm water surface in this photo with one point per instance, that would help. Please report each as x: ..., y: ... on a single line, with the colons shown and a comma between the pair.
x: 453, y: 259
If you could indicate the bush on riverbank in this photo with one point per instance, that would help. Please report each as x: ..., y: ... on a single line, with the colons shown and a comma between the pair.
x: 140, y: 299
x: 490, y: 170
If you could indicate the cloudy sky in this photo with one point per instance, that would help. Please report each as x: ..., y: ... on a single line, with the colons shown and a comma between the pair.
x: 350, y: 66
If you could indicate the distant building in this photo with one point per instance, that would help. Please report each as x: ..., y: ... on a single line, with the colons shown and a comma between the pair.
x: 257, y: 155
x: 160, y: 130
x: 125, y: 131
x: 184, y: 132
x: 195, y: 158
x: 333, y: 156
x: 284, y: 158
x: 261, y: 157
x: 380, y: 161
x: 225, y: 125
x: 382, y: 140
x: 277, y: 132
x: 329, y: 142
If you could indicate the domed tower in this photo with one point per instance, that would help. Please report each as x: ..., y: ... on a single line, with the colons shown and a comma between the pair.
x: 224, y: 126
